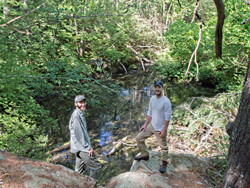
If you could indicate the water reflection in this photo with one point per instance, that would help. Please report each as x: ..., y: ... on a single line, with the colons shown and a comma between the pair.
x: 105, y: 137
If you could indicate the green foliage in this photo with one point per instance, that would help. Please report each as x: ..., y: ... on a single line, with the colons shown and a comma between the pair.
x: 46, y: 59
x: 207, y: 112
x: 182, y: 37
x: 200, y: 124
x: 219, y: 162
x: 24, y: 126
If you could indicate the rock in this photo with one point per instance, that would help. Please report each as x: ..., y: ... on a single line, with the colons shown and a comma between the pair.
x: 183, y: 170
x: 28, y: 173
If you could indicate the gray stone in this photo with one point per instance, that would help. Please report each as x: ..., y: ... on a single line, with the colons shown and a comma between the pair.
x: 1, y: 156
x: 146, y: 173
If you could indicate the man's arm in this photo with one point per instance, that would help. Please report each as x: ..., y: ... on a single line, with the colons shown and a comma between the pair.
x: 149, y: 115
x: 148, y: 118
x: 163, y: 132
x: 79, y: 136
x: 167, y: 116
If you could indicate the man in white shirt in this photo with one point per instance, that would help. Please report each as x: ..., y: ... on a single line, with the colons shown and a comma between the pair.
x: 159, y: 113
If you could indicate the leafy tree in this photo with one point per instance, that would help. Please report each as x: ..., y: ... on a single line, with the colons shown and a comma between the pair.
x: 226, y: 74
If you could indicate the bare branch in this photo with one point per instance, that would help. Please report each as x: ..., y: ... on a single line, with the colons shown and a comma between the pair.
x: 179, y: 3
x: 151, y: 74
x: 4, y: 25
x: 123, y: 66
x: 140, y: 56
x: 23, y: 32
x: 194, y: 53
x: 245, y: 21
x: 197, y: 15
x: 195, y: 10
x: 246, y: 2
x: 148, y: 46
x: 142, y: 64
x: 168, y: 15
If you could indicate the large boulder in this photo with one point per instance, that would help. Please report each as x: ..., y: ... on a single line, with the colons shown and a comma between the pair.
x: 27, y: 173
x: 183, y: 170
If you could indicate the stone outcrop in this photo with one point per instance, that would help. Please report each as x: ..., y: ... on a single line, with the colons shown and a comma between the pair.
x: 27, y: 173
x: 183, y: 170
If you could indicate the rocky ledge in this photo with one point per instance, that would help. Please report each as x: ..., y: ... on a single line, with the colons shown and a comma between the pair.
x: 26, y: 173
x: 183, y: 171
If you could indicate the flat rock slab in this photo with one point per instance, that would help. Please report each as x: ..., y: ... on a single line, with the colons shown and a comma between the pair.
x: 27, y: 173
x: 181, y: 172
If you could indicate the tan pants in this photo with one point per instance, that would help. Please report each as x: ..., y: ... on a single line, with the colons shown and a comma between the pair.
x: 143, y: 135
x: 83, y: 159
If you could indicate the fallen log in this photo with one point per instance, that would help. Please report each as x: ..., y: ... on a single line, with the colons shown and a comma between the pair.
x: 118, y: 144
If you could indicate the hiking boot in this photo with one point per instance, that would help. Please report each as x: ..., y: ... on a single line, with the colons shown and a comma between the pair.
x: 138, y: 158
x: 163, y: 167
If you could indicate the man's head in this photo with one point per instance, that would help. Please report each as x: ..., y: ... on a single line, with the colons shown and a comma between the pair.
x: 158, y: 87
x: 80, y: 102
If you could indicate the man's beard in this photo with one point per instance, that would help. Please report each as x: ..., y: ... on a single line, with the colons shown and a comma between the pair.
x: 158, y: 93
x: 80, y: 107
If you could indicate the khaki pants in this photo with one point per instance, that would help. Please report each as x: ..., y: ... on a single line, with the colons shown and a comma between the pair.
x: 143, y: 135
x: 83, y: 159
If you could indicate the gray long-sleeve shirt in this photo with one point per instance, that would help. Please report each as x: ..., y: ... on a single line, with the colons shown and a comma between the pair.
x: 79, y: 138
x: 159, y: 110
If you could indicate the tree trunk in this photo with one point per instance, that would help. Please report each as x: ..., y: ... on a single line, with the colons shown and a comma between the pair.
x: 219, y: 26
x: 237, y: 173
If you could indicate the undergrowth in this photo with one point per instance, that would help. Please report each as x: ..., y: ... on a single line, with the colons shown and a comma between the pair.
x: 199, y: 124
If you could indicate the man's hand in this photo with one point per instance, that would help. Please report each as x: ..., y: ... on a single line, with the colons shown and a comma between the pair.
x: 143, y: 128
x: 91, y: 152
x: 162, y: 133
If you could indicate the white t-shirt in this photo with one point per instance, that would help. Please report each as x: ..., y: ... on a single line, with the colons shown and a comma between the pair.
x: 159, y: 111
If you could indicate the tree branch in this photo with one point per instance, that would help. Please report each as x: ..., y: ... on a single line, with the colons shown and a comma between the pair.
x: 140, y: 56
x: 23, y: 32
x: 123, y: 66
x: 197, y: 15
x: 195, y: 10
x: 194, y: 53
x: 246, y: 2
x: 179, y: 3
x: 219, y: 26
x: 4, y: 25
x: 245, y: 21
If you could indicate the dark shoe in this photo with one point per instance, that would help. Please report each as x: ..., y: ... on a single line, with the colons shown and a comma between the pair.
x: 163, y: 167
x: 138, y: 158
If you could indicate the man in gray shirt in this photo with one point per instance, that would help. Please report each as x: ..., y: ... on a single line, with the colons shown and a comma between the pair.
x: 159, y: 113
x: 80, y: 142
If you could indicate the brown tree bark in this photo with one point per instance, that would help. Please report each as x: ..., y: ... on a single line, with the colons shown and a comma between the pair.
x: 237, y: 173
x: 219, y: 26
